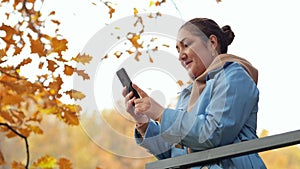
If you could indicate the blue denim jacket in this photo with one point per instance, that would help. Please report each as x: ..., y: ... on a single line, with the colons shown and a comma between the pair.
x: 225, y: 113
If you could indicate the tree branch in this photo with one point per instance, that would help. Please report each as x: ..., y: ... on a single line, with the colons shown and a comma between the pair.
x: 23, y: 137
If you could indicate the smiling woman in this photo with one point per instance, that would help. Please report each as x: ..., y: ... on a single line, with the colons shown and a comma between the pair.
x: 215, y: 110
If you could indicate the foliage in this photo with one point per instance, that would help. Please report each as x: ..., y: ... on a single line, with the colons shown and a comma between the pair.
x: 34, y: 40
x: 287, y: 157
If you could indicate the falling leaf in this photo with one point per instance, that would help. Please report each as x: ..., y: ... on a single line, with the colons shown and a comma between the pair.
x: 118, y: 54
x: 180, y: 83
x: 166, y: 45
x: 55, y: 21
x: 64, y: 163
x: 83, y: 58
x: 52, y: 13
x: 74, y: 94
x: 111, y: 9
x: 68, y: 70
x: 150, y: 59
x: 151, y: 3
x: 104, y: 57
x: 81, y: 73
x: 135, y: 11
x: 134, y: 40
x: 137, y: 56
x: 117, y: 28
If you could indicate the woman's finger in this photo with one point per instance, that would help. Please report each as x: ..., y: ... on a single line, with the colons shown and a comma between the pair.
x: 140, y: 91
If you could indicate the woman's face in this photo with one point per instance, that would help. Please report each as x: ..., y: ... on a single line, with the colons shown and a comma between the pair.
x: 194, y: 54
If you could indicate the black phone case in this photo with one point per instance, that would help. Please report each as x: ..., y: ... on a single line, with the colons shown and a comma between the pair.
x: 125, y: 80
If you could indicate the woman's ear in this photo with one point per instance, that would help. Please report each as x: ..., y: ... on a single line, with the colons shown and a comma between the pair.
x: 214, y: 41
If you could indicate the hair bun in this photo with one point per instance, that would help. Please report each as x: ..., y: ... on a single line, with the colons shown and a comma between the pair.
x: 228, y: 34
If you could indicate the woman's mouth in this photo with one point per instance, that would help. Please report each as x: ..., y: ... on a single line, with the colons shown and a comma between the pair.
x: 187, y: 64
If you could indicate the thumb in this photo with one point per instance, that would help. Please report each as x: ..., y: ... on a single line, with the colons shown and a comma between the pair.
x: 140, y: 91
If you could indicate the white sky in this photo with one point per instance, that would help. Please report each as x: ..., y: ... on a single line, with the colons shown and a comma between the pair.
x: 267, y: 34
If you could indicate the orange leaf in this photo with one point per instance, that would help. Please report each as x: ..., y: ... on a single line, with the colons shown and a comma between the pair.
x: 59, y: 45
x: 180, y: 83
x: 52, y: 13
x: 51, y: 65
x: 134, y: 40
x: 37, y: 46
x: 9, y: 33
x: 64, y: 163
x: 25, y: 131
x: 84, y: 58
x: 10, y: 134
x: 12, y: 99
x: 74, y: 94
x: 118, y: 54
x: 2, y: 53
x: 81, y: 73
x: 17, y: 165
x: 71, y: 118
x: 55, y: 21
x: 7, y: 116
x: 68, y: 70
x: 55, y: 86
x: 24, y: 62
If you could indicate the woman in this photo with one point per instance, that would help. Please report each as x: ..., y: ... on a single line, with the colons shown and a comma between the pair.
x: 218, y: 108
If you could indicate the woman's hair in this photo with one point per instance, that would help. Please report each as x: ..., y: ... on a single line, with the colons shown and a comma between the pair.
x: 205, y: 27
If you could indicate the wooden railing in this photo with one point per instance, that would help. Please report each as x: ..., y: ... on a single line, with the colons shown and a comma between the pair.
x: 228, y: 151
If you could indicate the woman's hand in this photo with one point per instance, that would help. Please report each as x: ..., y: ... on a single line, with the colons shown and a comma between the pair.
x: 129, y: 100
x: 146, y: 105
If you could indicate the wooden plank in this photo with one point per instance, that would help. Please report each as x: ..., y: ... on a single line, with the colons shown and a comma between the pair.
x: 228, y: 151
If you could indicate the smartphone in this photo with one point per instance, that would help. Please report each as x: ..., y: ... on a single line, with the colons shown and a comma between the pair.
x: 125, y: 80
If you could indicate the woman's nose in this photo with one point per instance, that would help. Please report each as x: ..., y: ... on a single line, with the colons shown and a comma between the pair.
x: 182, y: 56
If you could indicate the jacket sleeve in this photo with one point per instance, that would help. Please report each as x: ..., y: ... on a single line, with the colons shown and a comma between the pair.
x: 153, y: 141
x: 233, y: 97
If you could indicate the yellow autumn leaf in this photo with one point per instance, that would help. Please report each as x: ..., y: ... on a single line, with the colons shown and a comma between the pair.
x: 51, y: 110
x: 151, y: 3
x: 83, y: 58
x: 74, y: 94
x: 35, y: 129
x: 45, y: 162
x: 135, y: 11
